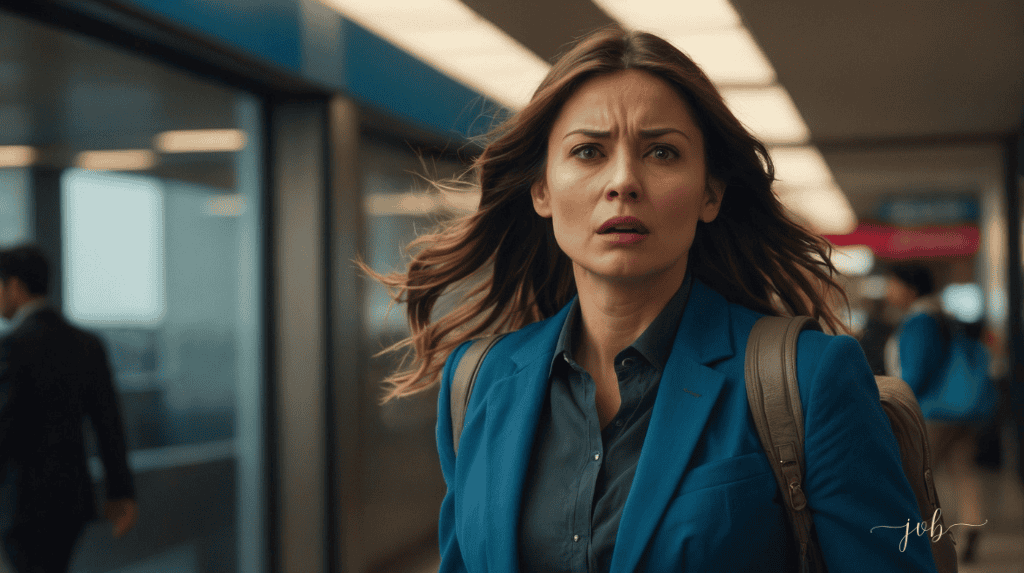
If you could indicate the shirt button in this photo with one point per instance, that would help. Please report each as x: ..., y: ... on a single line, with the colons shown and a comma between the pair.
x: 618, y: 422
x: 627, y: 362
x: 576, y: 538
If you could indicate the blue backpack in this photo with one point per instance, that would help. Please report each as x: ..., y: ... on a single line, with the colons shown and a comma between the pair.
x: 963, y: 392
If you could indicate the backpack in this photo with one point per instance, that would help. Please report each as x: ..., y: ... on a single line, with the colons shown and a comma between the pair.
x: 774, y: 397
x: 963, y: 391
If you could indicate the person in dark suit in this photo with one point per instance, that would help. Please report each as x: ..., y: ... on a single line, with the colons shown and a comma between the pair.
x: 52, y: 376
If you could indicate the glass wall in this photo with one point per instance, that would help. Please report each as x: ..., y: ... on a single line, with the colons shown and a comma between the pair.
x: 15, y: 209
x: 154, y: 176
x: 402, y: 484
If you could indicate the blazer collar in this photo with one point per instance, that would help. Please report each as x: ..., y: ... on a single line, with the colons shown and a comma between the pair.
x: 512, y: 407
x: 541, y: 344
x: 686, y: 394
x: 704, y: 334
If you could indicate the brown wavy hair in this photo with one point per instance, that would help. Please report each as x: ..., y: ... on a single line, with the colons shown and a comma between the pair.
x: 752, y: 253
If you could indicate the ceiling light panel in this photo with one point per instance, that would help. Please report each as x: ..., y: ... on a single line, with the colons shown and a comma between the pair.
x: 222, y: 140
x: 825, y: 208
x: 17, y: 156
x: 668, y: 18
x: 458, y: 42
x: 769, y: 113
x: 853, y: 260
x: 116, y: 160
x: 729, y: 56
x: 800, y: 166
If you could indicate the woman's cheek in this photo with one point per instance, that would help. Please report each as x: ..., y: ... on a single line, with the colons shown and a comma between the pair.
x: 678, y: 201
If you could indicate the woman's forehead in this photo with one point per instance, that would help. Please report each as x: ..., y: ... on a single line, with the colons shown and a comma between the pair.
x: 628, y: 99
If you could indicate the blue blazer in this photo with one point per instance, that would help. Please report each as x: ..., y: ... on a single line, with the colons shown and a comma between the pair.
x: 704, y: 497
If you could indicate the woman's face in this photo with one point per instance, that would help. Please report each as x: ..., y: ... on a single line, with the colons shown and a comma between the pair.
x: 625, y: 181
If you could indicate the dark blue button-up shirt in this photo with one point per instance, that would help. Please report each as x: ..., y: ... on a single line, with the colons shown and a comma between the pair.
x: 580, y: 475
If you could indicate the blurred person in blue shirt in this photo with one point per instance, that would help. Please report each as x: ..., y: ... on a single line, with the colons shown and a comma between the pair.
x: 920, y: 352
x: 52, y: 376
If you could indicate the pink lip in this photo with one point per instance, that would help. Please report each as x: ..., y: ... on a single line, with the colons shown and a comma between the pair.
x: 624, y: 222
x: 626, y: 237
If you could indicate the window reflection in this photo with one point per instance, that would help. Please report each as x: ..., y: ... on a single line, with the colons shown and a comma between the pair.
x: 145, y: 181
x: 113, y: 248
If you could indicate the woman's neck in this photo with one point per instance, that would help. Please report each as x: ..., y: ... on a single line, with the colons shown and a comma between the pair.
x: 616, y: 312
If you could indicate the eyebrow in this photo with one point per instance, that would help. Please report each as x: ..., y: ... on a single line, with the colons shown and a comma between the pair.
x: 649, y: 133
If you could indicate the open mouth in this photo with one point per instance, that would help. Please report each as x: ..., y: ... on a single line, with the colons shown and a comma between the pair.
x: 623, y: 225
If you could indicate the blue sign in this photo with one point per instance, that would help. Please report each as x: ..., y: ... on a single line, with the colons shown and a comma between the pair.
x: 925, y: 210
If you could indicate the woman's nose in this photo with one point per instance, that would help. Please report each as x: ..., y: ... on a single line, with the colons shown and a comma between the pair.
x: 623, y: 179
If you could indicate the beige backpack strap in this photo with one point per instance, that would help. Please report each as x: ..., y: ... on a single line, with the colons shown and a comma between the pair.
x: 463, y: 380
x: 774, y: 396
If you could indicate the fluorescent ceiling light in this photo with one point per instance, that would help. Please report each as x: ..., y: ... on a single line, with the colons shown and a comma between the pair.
x: 465, y: 202
x: 824, y: 208
x: 729, y: 56
x: 800, y: 166
x: 17, y: 156
x: 226, y: 140
x: 420, y: 203
x: 667, y: 18
x: 853, y: 260
x: 405, y: 204
x: 116, y: 160
x: 225, y: 205
x: 769, y: 113
x: 458, y: 42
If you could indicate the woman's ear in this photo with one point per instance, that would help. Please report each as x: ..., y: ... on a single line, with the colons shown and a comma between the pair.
x: 541, y: 198
x: 713, y: 192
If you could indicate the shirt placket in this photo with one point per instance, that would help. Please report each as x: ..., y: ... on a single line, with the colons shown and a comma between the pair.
x: 590, y: 467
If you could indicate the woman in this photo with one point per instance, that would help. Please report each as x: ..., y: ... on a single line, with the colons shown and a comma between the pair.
x: 629, y: 240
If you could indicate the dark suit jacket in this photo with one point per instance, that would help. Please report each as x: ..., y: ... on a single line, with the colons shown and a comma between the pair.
x: 53, y: 375
x: 704, y: 498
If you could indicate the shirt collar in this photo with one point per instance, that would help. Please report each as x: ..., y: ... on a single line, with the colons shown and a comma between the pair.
x: 655, y: 344
x: 27, y: 310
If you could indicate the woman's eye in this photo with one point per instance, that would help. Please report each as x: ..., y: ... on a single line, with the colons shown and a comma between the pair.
x: 585, y: 152
x: 663, y: 153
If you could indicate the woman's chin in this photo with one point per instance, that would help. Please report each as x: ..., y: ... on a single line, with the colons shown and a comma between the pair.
x: 630, y: 272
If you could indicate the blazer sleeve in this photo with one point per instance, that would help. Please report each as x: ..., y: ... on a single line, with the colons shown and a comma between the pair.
x: 451, y: 554
x: 102, y: 406
x: 12, y: 376
x: 921, y: 349
x: 855, y: 480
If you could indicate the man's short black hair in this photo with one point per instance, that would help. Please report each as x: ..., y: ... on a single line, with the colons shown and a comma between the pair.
x: 27, y: 263
x: 917, y: 276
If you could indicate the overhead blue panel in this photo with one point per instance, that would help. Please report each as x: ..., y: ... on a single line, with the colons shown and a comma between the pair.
x: 379, y: 73
x: 318, y: 45
x: 268, y: 29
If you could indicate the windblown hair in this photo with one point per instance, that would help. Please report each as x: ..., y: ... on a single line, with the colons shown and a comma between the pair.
x: 752, y: 253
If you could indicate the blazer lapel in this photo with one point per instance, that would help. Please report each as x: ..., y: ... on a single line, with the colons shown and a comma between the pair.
x: 686, y: 395
x: 513, y: 408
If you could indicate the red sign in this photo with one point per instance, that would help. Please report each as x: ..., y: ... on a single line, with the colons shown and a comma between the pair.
x: 888, y: 241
